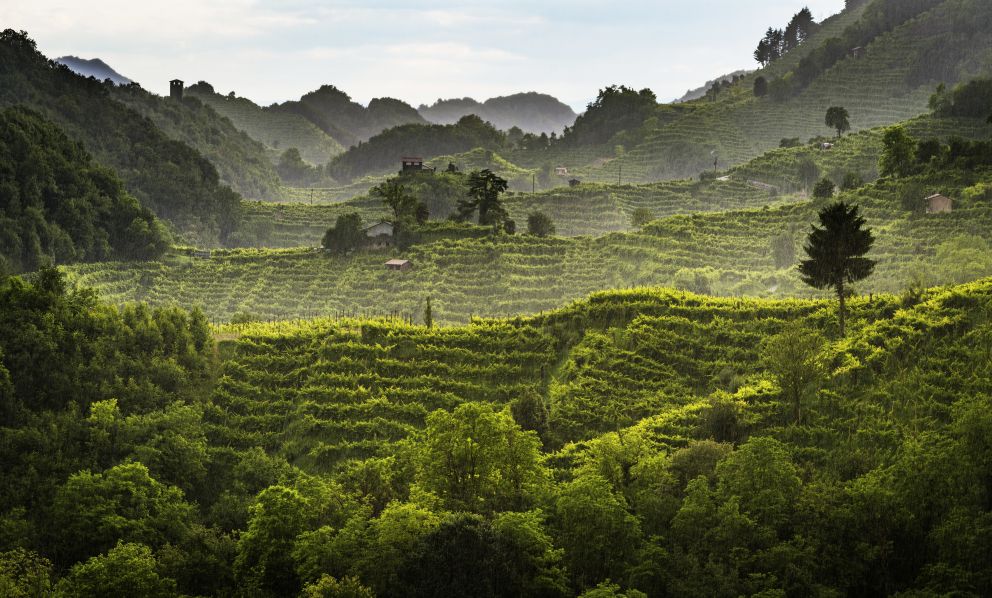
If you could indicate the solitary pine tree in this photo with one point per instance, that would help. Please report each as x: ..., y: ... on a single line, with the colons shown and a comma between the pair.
x: 836, y: 252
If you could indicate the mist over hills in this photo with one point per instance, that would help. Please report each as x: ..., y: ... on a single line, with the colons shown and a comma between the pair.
x: 93, y: 67
x: 532, y: 112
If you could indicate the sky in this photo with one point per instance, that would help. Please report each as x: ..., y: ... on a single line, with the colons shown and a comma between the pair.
x: 277, y: 50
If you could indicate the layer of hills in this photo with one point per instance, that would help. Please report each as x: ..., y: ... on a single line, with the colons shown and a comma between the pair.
x: 531, y: 112
x: 648, y: 403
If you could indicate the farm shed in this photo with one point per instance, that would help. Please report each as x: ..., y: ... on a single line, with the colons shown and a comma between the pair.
x: 401, y: 265
x: 938, y: 204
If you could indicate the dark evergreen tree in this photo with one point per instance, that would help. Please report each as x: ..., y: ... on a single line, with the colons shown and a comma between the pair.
x: 837, y: 252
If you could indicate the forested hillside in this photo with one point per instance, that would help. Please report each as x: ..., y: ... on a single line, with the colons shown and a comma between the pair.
x: 278, y: 130
x: 348, y: 122
x: 638, y: 441
x: 383, y: 151
x: 240, y: 160
x: 530, y: 112
x: 904, y: 50
x: 168, y: 177
x: 57, y: 205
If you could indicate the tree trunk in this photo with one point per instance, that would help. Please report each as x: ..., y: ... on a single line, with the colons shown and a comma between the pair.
x: 843, y: 306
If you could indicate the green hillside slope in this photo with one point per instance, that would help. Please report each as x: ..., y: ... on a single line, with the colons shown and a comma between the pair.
x: 173, y: 180
x: 903, y: 61
x: 728, y: 253
x: 241, y: 161
x: 348, y: 122
x: 276, y: 129
x: 57, y: 205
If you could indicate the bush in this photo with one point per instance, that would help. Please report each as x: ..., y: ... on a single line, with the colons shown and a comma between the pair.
x: 640, y: 217
x: 540, y: 224
x: 824, y: 189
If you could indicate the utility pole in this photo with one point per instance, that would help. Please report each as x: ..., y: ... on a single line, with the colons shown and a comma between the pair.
x: 311, y: 196
x: 620, y: 173
x: 533, y: 182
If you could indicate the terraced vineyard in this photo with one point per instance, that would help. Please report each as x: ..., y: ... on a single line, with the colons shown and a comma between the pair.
x: 726, y: 253
x: 323, y: 391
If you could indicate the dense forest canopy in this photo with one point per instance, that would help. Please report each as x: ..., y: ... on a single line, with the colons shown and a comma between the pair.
x: 57, y: 205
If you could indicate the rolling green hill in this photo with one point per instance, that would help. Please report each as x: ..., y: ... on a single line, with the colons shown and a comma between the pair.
x: 241, y: 161
x: 278, y: 130
x: 168, y: 177
x: 57, y: 205
x: 908, y: 49
x: 348, y: 122
x: 726, y: 253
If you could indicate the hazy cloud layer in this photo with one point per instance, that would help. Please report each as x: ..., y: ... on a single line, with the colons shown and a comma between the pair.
x: 273, y: 50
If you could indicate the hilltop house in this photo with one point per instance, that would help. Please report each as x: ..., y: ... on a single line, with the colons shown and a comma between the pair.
x: 380, y: 235
x: 937, y: 204
x: 413, y: 165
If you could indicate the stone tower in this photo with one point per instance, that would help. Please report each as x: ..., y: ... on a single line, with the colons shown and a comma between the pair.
x: 176, y: 90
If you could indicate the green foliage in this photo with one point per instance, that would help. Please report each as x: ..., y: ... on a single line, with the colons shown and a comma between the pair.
x: 615, y: 109
x: 477, y: 459
x: 970, y: 100
x: 168, y: 177
x: 329, y: 587
x: 795, y: 357
x: 484, y: 189
x: 824, y: 189
x: 898, y: 156
x: 641, y: 216
x: 346, y: 235
x: 598, y: 534
x: 127, y: 570
x: 92, y: 512
x: 24, y: 574
x: 540, y: 224
x: 57, y: 205
x: 837, y: 252
x: 838, y: 118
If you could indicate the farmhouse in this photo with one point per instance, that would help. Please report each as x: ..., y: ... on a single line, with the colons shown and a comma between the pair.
x: 380, y: 235
x: 937, y: 204
x: 561, y: 171
x: 401, y: 265
x: 856, y: 52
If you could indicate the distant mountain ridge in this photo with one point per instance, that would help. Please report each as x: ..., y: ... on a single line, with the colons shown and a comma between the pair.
x: 93, y: 67
x: 531, y: 111
x: 346, y: 121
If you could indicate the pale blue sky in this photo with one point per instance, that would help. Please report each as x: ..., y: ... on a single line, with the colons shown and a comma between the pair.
x: 272, y: 50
